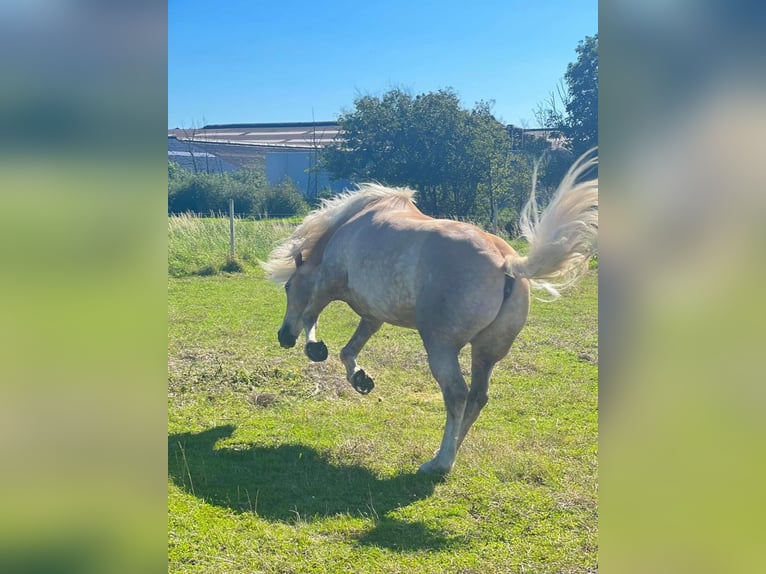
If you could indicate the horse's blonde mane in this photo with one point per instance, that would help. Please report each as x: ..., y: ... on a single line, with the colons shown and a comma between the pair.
x: 326, y: 219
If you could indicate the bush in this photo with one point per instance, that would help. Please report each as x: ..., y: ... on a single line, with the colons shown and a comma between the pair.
x: 283, y: 200
x: 207, y: 193
x: 199, y: 193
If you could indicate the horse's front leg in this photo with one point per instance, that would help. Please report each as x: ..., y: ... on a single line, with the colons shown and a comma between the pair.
x: 315, y: 350
x: 354, y: 373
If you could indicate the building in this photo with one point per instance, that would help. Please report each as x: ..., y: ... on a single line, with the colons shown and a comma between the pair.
x: 285, y: 150
x: 519, y: 137
x: 195, y: 158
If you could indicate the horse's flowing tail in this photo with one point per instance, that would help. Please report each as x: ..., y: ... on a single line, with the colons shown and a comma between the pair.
x: 563, y: 238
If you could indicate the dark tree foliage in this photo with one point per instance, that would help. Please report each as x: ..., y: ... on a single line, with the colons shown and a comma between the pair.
x: 581, y: 124
x: 456, y: 158
x: 571, y: 111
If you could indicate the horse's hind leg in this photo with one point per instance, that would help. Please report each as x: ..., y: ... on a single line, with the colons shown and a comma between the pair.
x: 443, y: 361
x: 488, y: 347
x: 478, y: 396
x: 483, y: 360
x: 355, y: 374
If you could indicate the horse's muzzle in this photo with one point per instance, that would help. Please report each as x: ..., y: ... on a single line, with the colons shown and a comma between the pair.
x: 286, y: 339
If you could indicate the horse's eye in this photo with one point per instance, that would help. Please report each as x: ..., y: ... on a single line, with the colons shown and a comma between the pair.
x: 287, y: 287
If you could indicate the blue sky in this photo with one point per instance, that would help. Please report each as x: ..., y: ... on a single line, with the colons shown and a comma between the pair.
x: 294, y: 60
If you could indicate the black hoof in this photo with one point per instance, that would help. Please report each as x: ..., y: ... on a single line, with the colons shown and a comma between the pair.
x: 316, y: 351
x: 362, y: 383
x: 286, y: 340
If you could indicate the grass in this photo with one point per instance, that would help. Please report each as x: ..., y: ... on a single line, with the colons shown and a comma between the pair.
x: 200, y: 245
x: 276, y: 464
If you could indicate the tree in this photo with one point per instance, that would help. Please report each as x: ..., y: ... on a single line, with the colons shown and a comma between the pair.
x: 551, y: 114
x: 492, y: 149
x: 572, y: 109
x: 371, y: 146
x: 454, y: 157
x: 582, y: 108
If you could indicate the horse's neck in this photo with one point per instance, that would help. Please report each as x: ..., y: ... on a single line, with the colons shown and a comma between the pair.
x: 321, y: 243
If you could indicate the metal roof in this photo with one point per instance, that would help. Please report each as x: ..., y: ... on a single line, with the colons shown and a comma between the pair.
x: 292, y: 135
x: 299, y: 136
x: 195, y: 158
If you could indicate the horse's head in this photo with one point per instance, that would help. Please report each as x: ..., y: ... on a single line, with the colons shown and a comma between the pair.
x: 298, y: 290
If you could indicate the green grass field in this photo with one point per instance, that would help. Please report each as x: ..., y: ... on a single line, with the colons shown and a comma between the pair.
x: 276, y: 464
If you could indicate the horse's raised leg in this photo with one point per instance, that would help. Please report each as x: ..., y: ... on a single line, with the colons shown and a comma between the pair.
x: 355, y: 374
x: 446, y: 370
x: 315, y: 350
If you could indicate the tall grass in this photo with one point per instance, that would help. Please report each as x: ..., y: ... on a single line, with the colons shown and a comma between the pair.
x: 200, y: 245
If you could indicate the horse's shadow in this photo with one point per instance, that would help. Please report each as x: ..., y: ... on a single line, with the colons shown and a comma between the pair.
x: 290, y: 483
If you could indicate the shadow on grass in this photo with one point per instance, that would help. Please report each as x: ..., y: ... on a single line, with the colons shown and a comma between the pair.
x: 291, y: 483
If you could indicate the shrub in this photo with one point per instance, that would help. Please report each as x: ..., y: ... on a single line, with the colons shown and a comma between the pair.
x: 283, y: 200
x: 208, y: 193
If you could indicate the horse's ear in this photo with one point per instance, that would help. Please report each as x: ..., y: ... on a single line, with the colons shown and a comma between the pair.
x: 298, y: 259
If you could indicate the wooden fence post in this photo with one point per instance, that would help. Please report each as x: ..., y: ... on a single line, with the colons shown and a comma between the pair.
x: 231, y: 230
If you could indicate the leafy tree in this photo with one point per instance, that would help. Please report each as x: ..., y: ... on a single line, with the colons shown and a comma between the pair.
x: 572, y: 110
x: 491, y: 150
x: 582, y: 108
x: 438, y: 136
x: 373, y: 145
x: 551, y: 114
x: 455, y: 158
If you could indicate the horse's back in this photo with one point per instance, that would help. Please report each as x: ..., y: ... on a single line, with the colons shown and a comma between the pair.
x: 439, y: 276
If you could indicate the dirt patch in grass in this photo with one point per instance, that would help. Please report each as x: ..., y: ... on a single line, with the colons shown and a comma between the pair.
x: 329, y: 380
x: 263, y: 400
x: 265, y: 383
x: 195, y: 371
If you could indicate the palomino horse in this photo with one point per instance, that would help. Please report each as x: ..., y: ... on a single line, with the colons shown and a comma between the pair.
x: 453, y: 282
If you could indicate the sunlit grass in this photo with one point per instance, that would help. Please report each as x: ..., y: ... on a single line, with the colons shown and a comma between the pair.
x: 277, y: 465
x: 201, y: 245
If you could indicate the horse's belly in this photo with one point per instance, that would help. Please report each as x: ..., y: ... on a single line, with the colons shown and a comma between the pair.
x: 390, y: 298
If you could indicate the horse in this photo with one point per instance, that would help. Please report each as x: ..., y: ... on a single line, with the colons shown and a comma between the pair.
x: 453, y: 282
